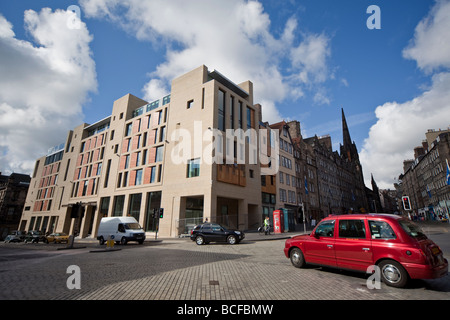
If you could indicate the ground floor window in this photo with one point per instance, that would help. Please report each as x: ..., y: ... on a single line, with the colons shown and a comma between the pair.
x: 104, y: 206
x: 153, y: 202
x: 118, y: 206
x: 135, y: 205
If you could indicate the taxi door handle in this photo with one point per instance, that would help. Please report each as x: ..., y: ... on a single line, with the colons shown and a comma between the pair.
x: 329, y: 245
x: 366, y: 249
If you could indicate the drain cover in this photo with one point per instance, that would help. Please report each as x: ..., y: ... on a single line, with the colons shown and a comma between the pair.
x: 213, y: 282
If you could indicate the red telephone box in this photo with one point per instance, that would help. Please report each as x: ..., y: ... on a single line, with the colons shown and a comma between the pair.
x: 278, y: 221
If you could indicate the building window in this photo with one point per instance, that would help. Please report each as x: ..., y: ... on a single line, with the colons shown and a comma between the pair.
x: 162, y: 134
x: 138, y: 158
x: 85, y: 186
x: 221, y: 97
x: 144, y: 157
x: 232, y: 112
x: 159, y: 117
x: 203, y: 98
x: 138, y: 180
x: 283, y: 196
x: 159, y: 173
x: 125, y: 179
x: 104, y: 206
x: 108, y: 167
x: 190, y: 104
x: 99, y: 169
x: 128, y: 129
x: 152, y: 174
x: 119, y: 180
x: 127, y: 161
x: 135, y: 205
x: 153, y: 202
x: 159, y: 153
x: 118, y: 206
x: 193, y: 168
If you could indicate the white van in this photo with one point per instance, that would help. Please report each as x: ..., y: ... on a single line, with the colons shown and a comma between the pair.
x: 120, y: 229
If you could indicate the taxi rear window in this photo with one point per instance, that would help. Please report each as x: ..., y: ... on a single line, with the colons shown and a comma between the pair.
x: 412, y: 229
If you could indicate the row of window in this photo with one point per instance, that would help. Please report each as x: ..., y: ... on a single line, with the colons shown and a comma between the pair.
x: 54, y: 157
x: 88, y: 171
x: 43, y: 224
x: 152, y: 201
x: 141, y: 158
x: 151, y: 106
x: 139, y: 176
x: 85, y: 188
x: 147, y: 122
x: 356, y: 229
x: 233, y: 114
x: 289, y: 196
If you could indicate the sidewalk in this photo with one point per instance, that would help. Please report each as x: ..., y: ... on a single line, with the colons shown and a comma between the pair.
x: 249, y: 236
x: 429, y: 227
x: 255, y: 236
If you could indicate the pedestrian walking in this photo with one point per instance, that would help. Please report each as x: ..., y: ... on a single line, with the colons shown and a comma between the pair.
x: 266, y: 226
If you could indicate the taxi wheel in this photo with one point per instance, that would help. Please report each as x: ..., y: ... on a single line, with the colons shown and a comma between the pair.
x: 393, y: 274
x: 297, y: 258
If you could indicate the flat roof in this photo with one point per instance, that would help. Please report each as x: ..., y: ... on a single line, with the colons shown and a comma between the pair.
x: 98, y: 123
x: 216, y: 75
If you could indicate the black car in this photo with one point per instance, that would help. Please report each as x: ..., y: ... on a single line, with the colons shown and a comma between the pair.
x: 213, y: 232
x: 34, y: 236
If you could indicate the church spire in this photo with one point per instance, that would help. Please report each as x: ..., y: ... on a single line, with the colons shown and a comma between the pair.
x: 345, y: 132
x: 348, y: 148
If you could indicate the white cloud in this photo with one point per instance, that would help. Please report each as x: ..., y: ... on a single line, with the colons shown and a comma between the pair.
x: 232, y: 36
x: 47, y: 81
x: 311, y: 58
x: 402, y: 126
x: 431, y: 44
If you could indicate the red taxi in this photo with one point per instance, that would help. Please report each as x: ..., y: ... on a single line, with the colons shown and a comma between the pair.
x: 395, y: 244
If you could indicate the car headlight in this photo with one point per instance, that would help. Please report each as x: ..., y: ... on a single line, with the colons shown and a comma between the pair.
x: 237, y: 232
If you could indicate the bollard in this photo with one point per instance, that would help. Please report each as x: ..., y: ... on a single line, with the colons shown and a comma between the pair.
x: 110, y: 242
x: 70, y: 241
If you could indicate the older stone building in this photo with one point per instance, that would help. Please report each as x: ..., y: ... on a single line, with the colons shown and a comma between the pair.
x: 424, y: 179
x: 13, y: 191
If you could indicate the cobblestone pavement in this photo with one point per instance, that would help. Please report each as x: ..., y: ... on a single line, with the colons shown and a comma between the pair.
x: 178, y: 269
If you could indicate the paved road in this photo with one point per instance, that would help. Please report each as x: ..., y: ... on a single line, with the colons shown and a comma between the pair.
x: 178, y: 269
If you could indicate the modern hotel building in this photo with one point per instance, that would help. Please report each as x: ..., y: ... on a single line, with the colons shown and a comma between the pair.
x: 173, y: 153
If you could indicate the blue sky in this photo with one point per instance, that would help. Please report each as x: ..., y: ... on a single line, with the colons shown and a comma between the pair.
x: 306, y: 59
